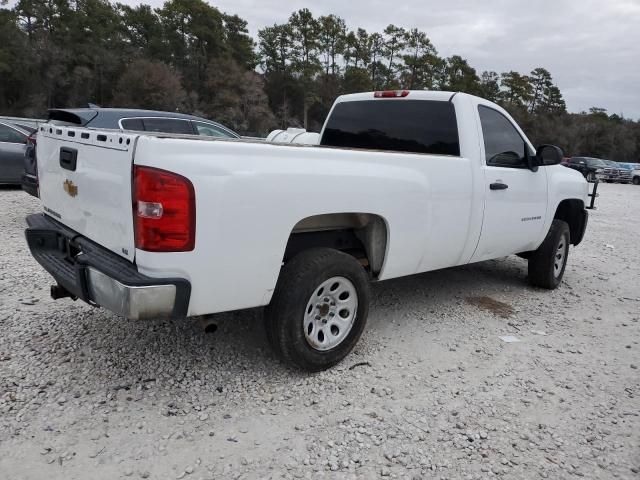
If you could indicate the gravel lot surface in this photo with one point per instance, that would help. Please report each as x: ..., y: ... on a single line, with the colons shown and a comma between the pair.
x: 430, y: 392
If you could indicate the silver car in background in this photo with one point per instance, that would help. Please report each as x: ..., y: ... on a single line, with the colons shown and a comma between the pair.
x: 13, y: 142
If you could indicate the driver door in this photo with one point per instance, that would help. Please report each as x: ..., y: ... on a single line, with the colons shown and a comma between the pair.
x: 515, y: 197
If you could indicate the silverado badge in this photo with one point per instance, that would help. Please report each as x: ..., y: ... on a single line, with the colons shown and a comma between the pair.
x: 70, y: 188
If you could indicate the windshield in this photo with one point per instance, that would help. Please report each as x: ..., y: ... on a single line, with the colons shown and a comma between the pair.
x: 594, y: 162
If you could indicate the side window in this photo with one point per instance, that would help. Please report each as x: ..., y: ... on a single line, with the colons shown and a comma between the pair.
x: 503, y: 145
x: 167, y: 125
x: 209, y: 130
x: 9, y: 135
x: 132, y: 124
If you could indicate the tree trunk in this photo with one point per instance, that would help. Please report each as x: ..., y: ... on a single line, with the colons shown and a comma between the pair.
x: 306, y: 112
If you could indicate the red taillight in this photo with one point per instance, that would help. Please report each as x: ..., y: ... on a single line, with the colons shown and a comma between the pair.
x: 164, y: 211
x: 391, y: 93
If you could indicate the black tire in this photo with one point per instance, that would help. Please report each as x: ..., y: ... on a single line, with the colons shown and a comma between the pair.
x: 636, y: 180
x: 544, y: 269
x: 591, y: 177
x: 298, y: 281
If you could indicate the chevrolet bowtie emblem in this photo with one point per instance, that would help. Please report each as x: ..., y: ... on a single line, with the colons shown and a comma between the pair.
x: 70, y: 188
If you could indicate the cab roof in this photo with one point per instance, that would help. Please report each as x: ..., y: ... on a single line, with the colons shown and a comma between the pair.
x: 412, y: 95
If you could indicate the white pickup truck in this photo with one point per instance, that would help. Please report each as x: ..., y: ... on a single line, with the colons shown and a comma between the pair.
x: 150, y: 225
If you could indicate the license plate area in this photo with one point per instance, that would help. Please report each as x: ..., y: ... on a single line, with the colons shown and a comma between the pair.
x: 55, y: 241
x: 61, y: 257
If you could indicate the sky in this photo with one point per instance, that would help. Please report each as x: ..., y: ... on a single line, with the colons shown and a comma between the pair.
x: 591, y: 47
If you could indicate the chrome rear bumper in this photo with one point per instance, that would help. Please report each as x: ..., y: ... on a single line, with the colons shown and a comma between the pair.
x: 90, y: 272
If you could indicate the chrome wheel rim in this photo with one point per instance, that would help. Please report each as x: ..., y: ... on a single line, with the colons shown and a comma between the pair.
x: 560, y: 256
x: 330, y: 313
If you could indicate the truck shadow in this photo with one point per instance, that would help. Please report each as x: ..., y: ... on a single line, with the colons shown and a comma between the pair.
x: 419, y: 294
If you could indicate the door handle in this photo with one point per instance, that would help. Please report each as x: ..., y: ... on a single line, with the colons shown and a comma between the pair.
x: 498, y: 186
x: 68, y: 158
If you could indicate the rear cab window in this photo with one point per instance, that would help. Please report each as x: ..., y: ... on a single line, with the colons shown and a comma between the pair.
x: 401, y: 125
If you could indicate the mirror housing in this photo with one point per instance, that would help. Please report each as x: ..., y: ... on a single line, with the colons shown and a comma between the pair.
x: 549, y: 155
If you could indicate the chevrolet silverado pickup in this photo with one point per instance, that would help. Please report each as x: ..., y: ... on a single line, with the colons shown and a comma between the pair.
x: 153, y: 225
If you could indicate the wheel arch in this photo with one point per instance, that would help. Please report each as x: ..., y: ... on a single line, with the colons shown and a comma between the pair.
x: 363, y: 235
x: 572, y: 211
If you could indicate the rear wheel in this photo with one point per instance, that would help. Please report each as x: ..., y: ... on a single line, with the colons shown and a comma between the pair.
x: 319, y: 309
x: 548, y: 262
x: 636, y: 180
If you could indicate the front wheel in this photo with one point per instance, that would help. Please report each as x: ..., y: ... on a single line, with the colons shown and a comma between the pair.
x: 636, y: 180
x: 548, y: 262
x: 591, y: 177
x: 319, y: 309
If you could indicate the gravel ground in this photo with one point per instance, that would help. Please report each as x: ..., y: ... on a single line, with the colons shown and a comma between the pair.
x: 430, y: 392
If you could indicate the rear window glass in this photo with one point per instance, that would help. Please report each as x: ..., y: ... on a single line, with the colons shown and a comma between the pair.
x: 417, y: 126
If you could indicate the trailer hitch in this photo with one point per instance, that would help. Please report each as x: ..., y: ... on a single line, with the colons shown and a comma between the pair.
x: 58, y: 292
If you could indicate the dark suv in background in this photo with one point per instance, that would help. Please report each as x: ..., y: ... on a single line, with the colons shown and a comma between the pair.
x: 590, y: 168
x: 614, y: 172
x: 120, y: 119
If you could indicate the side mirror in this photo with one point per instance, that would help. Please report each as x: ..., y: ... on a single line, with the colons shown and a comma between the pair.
x: 549, y: 155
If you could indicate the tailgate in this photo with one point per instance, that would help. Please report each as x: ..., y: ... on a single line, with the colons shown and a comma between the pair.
x: 85, y: 183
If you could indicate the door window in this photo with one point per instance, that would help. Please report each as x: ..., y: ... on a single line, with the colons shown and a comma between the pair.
x: 209, y: 130
x: 167, y: 125
x: 9, y: 135
x: 503, y: 145
x: 132, y: 124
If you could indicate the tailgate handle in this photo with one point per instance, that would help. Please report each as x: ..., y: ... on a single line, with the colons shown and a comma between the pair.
x: 68, y: 158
